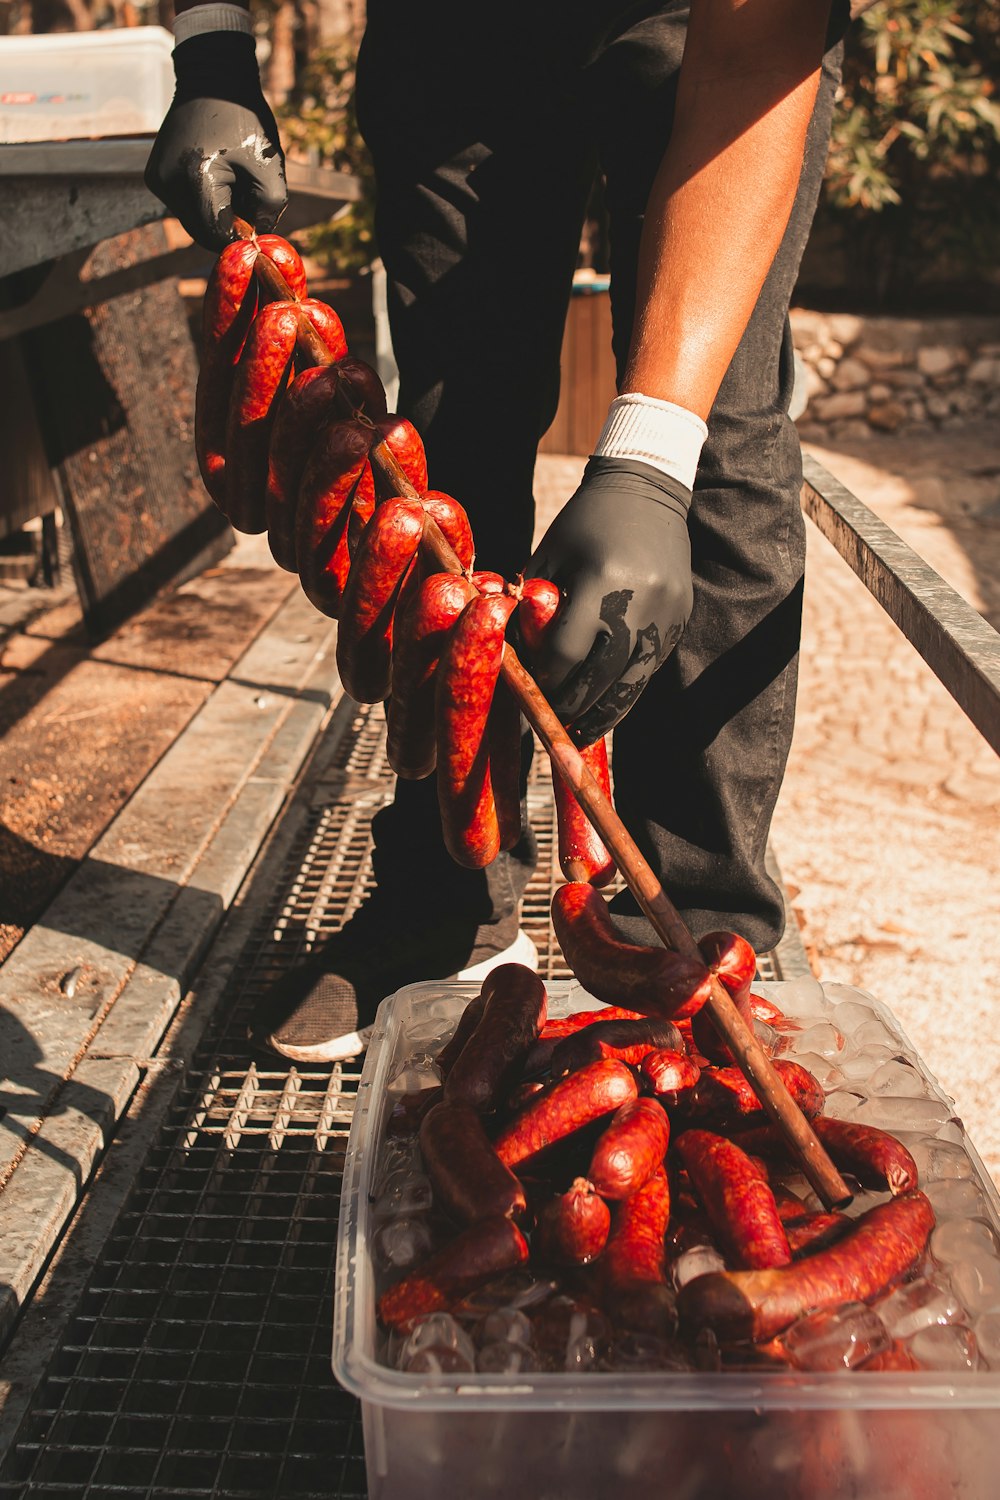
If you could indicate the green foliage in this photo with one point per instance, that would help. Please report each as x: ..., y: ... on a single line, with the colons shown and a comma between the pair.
x: 913, y: 164
x: 319, y: 125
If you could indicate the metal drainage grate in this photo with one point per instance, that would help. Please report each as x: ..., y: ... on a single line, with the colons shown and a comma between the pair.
x: 198, y: 1364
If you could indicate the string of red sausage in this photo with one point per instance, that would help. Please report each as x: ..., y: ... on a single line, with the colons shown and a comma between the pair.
x: 287, y: 450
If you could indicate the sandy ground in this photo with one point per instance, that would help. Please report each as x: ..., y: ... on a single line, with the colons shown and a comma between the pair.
x: 888, y: 825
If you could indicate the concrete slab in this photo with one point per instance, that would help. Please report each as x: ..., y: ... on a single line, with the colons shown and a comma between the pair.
x: 89, y: 992
x: 81, y: 726
x: 42, y: 1193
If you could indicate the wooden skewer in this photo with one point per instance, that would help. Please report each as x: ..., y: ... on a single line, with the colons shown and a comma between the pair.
x: 639, y: 876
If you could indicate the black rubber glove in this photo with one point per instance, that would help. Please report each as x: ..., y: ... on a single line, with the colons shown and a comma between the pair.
x: 620, y: 553
x: 218, y: 153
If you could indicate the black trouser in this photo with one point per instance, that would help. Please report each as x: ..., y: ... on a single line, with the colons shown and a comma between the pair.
x: 485, y: 148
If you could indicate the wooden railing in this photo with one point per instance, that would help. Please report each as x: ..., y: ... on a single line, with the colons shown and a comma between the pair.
x: 960, y: 647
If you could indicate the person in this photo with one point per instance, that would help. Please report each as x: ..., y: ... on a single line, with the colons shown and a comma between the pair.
x: 680, y: 556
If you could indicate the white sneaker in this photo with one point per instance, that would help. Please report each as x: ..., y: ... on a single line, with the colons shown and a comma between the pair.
x: 521, y: 951
x: 323, y: 1010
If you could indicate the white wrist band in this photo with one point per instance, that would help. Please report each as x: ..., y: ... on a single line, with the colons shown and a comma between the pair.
x: 654, y: 432
x: 216, y: 17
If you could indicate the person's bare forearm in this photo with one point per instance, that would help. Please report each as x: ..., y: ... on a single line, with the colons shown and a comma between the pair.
x: 722, y: 197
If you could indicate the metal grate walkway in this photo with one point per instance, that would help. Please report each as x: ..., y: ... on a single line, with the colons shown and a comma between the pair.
x: 197, y: 1363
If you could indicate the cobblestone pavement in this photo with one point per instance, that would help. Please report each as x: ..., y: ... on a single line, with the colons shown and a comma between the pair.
x: 887, y: 826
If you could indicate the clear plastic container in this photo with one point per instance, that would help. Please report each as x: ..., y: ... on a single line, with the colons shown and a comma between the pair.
x: 781, y: 1435
x: 77, y: 85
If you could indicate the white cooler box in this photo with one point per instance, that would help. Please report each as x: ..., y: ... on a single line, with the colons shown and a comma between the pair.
x: 76, y: 85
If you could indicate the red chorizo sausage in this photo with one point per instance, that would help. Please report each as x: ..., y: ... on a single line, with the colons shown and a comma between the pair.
x: 489, y: 583
x: 635, y: 1250
x: 765, y: 1010
x: 732, y: 959
x: 228, y: 310
x: 538, y: 1059
x: 285, y: 257
x: 653, y: 981
x: 484, y: 1250
x: 580, y: 1019
x: 230, y: 294
x: 336, y: 483
x: 629, y: 1041
x: 812, y: 1232
x: 669, y: 1074
x: 424, y: 627
x: 725, y: 1094
x: 470, y: 1181
x: 538, y: 605
x: 364, y: 641
x: 491, y: 1058
x: 317, y: 396
x: 790, y: 1207
x: 453, y: 521
x: 582, y: 852
x: 467, y: 677
x: 573, y: 1226
x: 520, y: 1095
x: 738, y: 1201
x: 230, y: 304
x: 258, y: 386
x: 553, y: 1032
x: 360, y: 388
x: 310, y: 404
x: 327, y: 324
x: 404, y: 443
x: 874, y: 1156
x: 630, y: 1150
x: 881, y: 1247
x: 598, y: 1089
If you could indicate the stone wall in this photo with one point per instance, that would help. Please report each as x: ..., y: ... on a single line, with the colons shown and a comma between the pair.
x: 861, y: 375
